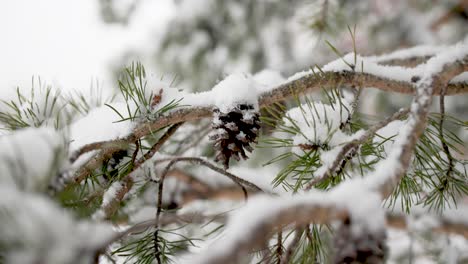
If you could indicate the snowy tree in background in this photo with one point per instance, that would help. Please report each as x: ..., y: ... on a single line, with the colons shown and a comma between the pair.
x: 153, y: 173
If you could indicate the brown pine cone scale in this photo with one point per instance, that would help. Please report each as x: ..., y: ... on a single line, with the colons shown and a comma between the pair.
x: 233, y: 132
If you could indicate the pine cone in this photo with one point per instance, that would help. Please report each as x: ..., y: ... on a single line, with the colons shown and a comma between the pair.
x: 363, y: 248
x: 233, y: 132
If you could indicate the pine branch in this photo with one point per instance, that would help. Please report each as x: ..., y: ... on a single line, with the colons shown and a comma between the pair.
x: 306, y: 84
x: 432, y: 81
x: 165, y: 219
x: 111, y: 207
x: 442, y: 69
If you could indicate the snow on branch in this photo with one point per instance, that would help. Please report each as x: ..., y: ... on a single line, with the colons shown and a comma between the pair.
x: 251, y: 226
x: 454, y: 221
x: 438, y: 71
x: 367, y: 73
x: 410, y: 57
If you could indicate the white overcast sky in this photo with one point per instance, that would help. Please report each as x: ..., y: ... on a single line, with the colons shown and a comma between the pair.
x: 65, y: 42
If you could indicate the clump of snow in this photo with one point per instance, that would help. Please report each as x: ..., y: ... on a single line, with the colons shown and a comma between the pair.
x: 268, y: 79
x: 367, y: 66
x: 299, y: 75
x: 235, y: 89
x: 110, y: 193
x: 418, y: 51
x: 436, y: 63
x: 100, y: 124
x: 461, y: 78
x: 318, y: 124
x: 41, y: 232
x: 30, y: 157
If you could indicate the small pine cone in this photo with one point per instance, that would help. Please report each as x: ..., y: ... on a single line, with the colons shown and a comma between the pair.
x: 362, y: 248
x: 234, y: 131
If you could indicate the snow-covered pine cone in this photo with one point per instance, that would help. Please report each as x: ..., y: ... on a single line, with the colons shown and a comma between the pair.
x: 365, y: 247
x: 234, y: 131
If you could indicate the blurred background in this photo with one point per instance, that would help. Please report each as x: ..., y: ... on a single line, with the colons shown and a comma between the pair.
x: 195, y: 43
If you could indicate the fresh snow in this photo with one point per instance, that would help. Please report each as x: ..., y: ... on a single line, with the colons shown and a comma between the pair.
x: 460, y: 78
x: 318, y: 123
x: 371, y: 65
x: 43, y: 232
x: 417, y: 51
x: 30, y: 157
x: 237, y: 88
x: 387, y: 168
x: 100, y: 124
x: 367, y: 66
x: 110, y: 193
x: 268, y: 79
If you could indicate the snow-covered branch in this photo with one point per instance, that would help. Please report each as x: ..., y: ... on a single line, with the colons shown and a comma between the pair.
x: 439, y: 71
x: 251, y: 227
x: 367, y: 73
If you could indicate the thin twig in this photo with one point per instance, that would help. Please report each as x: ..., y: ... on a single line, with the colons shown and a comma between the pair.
x: 155, y: 148
x: 203, y: 131
x: 236, y: 179
x: 135, y: 153
x: 441, y: 132
x: 279, y: 246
